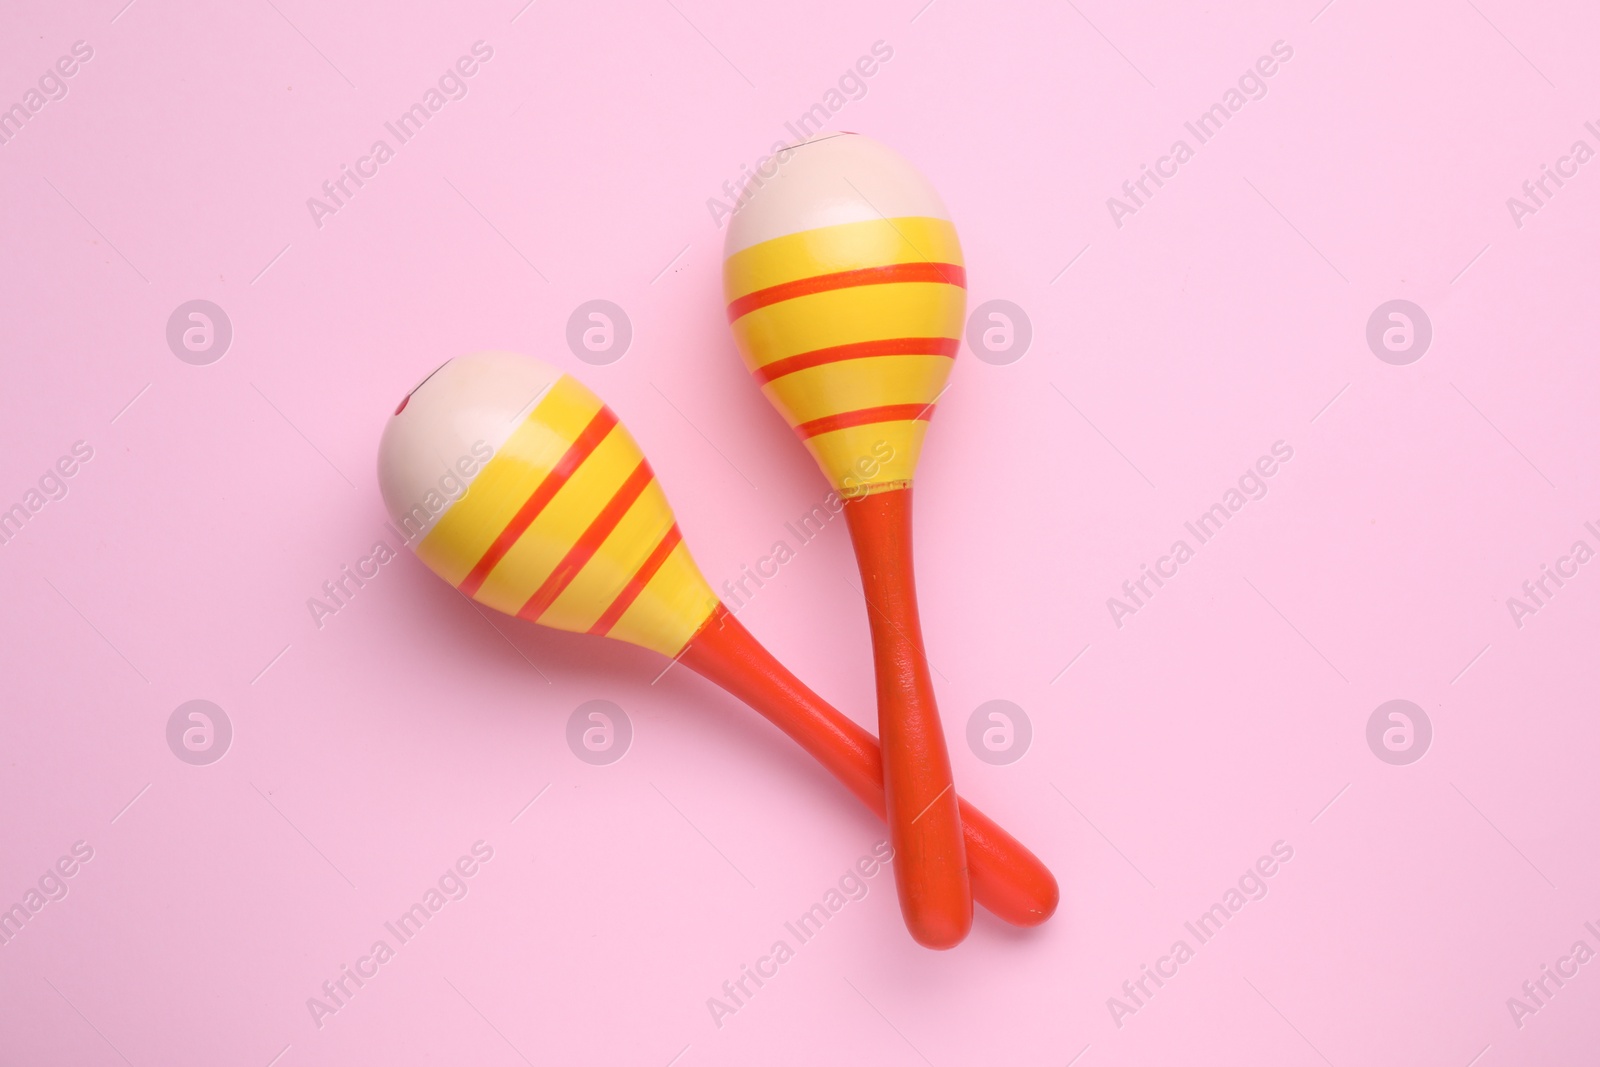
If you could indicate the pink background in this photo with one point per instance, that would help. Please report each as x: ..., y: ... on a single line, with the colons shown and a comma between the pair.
x: 1225, y: 716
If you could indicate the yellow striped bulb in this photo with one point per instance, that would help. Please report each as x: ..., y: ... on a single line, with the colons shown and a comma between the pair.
x: 515, y: 484
x: 846, y: 290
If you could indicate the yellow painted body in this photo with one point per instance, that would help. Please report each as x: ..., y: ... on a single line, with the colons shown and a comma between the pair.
x: 795, y: 299
x: 664, y: 612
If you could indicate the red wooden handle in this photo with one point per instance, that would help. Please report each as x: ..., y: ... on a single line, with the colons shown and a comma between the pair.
x: 1006, y: 878
x: 924, y: 819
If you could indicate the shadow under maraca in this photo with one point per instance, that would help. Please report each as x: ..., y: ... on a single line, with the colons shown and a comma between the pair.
x: 643, y: 681
x: 559, y: 656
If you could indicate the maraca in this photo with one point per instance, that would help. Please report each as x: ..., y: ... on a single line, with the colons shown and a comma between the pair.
x: 845, y: 290
x: 521, y: 489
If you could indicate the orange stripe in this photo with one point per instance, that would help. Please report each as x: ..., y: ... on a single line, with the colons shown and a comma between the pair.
x: 588, y: 543
x: 949, y: 273
x: 565, y: 467
x: 891, y: 346
x: 864, y: 417
x: 641, y: 578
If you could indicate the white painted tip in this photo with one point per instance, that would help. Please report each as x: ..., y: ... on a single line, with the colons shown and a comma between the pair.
x: 449, y: 425
x: 829, y: 180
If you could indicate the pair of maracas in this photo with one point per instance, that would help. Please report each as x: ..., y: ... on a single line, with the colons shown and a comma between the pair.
x: 845, y: 292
